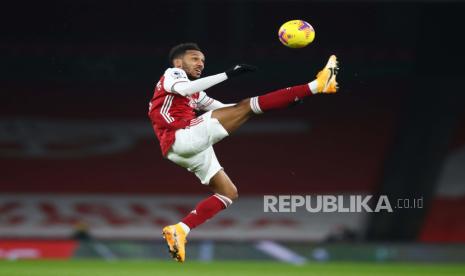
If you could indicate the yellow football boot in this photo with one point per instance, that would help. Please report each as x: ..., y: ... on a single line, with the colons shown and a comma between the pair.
x: 326, y: 78
x: 176, y: 239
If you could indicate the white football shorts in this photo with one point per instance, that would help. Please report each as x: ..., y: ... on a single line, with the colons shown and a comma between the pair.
x: 193, y: 147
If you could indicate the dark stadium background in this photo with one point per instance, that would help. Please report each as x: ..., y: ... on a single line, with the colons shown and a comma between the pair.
x: 75, y: 76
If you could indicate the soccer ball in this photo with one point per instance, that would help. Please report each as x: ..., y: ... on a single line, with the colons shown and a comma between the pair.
x: 296, y: 34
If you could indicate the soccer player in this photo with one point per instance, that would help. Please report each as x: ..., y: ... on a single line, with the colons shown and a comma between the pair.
x: 187, y: 140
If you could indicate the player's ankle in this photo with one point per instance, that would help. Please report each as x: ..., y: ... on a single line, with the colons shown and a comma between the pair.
x: 313, y: 86
x: 184, y: 227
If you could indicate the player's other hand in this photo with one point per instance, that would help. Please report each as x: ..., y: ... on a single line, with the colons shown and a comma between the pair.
x: 239, y: 70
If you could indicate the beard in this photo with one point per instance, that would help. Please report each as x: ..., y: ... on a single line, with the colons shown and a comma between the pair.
x: 191, y: 77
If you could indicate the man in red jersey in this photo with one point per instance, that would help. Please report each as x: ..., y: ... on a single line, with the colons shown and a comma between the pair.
x: 188, y: 140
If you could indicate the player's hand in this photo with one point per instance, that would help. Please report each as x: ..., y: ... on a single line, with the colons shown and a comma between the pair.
x: 239, y: 70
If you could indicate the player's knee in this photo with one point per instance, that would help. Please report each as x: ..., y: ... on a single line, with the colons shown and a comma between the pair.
x: 234, y: 195
x: 231, y: 193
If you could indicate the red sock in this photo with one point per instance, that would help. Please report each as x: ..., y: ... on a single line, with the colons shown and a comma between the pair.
x: 280, y: 98
x: 206, y: 209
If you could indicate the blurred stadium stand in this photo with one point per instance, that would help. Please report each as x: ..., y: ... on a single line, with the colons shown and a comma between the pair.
x: 76, y: 145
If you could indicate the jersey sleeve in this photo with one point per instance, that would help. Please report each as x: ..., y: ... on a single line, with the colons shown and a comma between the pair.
x: 173, y: 76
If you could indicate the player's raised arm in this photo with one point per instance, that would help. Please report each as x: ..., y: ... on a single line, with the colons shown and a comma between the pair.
x: 185, y: 87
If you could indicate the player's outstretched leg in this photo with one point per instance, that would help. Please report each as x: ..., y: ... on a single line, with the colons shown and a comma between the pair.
x: 231, y: 118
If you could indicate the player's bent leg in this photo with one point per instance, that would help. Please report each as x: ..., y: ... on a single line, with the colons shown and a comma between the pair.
x: 207, y: 168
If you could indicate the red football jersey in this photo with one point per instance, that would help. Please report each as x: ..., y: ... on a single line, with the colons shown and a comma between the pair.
x: 170, y: 111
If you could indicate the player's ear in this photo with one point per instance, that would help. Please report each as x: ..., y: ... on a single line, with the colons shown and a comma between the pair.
x: 177, y: 63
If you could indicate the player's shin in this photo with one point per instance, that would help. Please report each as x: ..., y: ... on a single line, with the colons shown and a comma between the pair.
x: 205, y: 210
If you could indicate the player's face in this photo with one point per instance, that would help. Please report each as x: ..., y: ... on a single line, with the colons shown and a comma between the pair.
x: 193, y: 63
